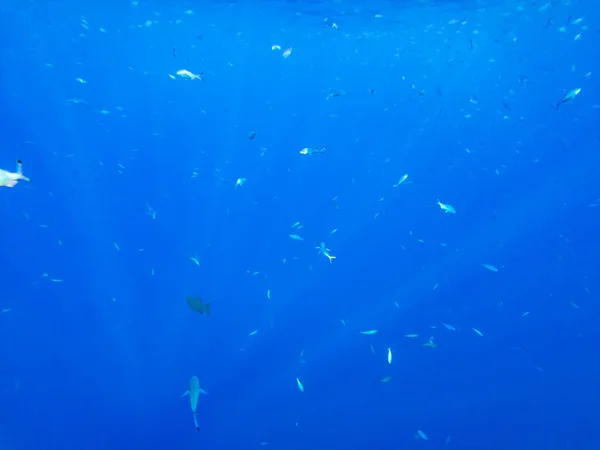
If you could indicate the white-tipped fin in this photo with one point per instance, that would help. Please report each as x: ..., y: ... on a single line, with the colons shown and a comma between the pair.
x: 20, y: 175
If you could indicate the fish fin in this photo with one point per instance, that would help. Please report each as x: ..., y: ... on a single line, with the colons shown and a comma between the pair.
x: 206, y: 308
x: 11, y: 183
x: 185, y: 393
x: 20, y: 171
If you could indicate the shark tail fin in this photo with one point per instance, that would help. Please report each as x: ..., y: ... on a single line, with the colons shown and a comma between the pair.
x: 20, y: 171
x: 206, y: 308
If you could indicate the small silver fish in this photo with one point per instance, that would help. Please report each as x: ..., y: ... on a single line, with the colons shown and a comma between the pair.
x: 313, y: 151
x: 569, y: 96
x: 187, y: 75
x: 325, y: 251
x: 338, y: 93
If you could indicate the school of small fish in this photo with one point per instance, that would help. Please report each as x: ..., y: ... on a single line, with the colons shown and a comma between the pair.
x: 302, y: 231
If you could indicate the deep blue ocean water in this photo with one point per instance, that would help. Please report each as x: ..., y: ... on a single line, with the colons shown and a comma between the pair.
x: 134, y: 173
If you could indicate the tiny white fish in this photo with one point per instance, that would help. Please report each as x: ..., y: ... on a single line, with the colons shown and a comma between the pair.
x: 296, y: 237
x: 252, y: 333
x: 369, y: 332
x: 240, y: 182
x: 269, y: 294
x: 325, y: 251
x: 150, y: 211
x: 389, y: 355
x: 490, y: 267
x: 449, y: 327
x: 446, y: 208
x: 422, y: 435
x: 402, y: 180
x: 54, y: 280
x: 187, y: 75
x: 300, y: 385
x: 569, y: 96
x: 477, y: 331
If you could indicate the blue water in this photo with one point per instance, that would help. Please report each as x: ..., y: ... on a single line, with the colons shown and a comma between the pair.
x: 138, y: 175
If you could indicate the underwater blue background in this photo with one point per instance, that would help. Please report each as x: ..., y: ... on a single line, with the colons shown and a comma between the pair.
x: 460, y: 96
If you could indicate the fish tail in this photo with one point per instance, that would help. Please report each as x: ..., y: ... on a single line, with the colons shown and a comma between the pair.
x: 20, y: 171
x: 206, y: 308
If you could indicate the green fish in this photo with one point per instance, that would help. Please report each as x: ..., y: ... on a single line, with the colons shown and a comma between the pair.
x: 197, y: 305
